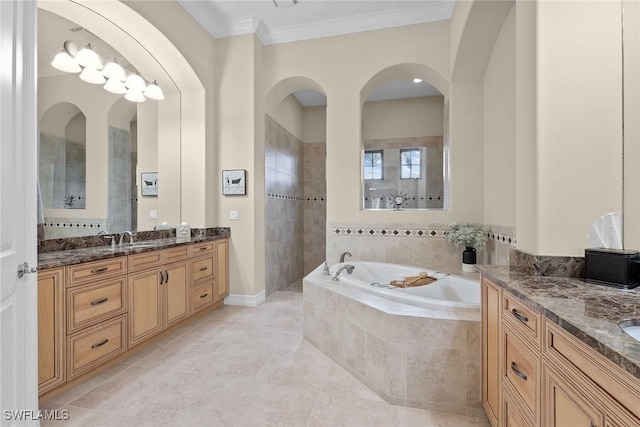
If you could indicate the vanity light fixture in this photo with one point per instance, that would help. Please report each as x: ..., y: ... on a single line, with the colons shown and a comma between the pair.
x: 417, y: 80
x: 78, y: 58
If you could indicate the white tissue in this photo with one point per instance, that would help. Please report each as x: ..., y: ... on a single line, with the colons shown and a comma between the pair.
x: 606, y: 232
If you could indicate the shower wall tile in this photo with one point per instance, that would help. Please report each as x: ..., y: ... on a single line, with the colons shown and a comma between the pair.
x: 284, y: 222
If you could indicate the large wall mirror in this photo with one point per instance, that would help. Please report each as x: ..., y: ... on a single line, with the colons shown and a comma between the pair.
x: 403, y: 157
x: 95, y: 146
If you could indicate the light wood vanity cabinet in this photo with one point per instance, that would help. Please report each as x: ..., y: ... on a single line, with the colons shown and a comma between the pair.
x: 93, y: 312
x: 537, y: 374
x: 51, y: 329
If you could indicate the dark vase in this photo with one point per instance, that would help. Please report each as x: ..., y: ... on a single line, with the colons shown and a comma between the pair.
x: 469, y: 255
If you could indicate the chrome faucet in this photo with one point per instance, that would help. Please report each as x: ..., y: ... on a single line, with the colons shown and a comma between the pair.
x: 347, y: 267
x: 105, y: 235
x: 127, y: 233
x: 342, y: 256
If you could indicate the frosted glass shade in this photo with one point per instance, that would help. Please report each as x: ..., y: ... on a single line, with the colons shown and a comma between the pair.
x: 64, y: 62
x: 88, y: 58
x: 113, y: 70
x: 134, y: 95
x: 134, y: 81
x: 115, y: 86
x: 153, y: 91
x: 93, y: 76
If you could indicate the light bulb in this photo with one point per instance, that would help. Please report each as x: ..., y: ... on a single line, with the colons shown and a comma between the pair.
x: 65, y: 62
x: 134, y: 81
x: 134, y: 95
x: 113, y: 70
x: 88, y: 58
x: 115, y: 86
x: 93, y: 76
x: 153, y: 91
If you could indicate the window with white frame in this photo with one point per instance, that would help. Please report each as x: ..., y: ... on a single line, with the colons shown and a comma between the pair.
x: 410, y: 163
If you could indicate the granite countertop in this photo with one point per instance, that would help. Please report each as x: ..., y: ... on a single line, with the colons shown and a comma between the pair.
x: 97, y: 253
x: 591, y: 313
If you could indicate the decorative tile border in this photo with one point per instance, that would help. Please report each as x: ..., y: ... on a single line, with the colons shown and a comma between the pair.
x: 284, y: 197
x: 74, y: 223
x: 314, y: 199
x: 412, y: 198
x: 388, y: 232
x: 502, y: 238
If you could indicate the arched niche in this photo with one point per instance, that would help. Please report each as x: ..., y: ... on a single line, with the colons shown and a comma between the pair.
x: 62, y: 157
x: 404, y: 148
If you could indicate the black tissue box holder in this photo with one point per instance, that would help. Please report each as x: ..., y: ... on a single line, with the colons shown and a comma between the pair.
x: 613, y: 267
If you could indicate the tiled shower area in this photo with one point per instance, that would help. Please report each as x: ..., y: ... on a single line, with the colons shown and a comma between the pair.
x: 296, y: 206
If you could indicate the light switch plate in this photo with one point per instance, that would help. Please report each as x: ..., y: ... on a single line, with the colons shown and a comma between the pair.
x: 233, y: 215
x: 153, y: 214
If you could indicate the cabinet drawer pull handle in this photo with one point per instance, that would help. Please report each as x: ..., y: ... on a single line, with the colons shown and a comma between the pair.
x: 100, y: 344
x: 203, y: 268
x: 161, y: 277
x: 520, y: 317
x: 166, y: 275
x: 99, y: 270
x: 204, y: 295
x: 204, y: 248
x: 99, y: 301
x: 516, y: 371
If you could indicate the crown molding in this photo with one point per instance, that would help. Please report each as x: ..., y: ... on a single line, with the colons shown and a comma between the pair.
x: 355, y: 24
x: 431, y: 12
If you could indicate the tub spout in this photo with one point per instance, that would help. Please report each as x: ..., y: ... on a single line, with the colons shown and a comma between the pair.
x: 347, y: 267
x: 342, y: 255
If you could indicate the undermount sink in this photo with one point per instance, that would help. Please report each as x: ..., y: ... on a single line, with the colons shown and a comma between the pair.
x: 632, y: 328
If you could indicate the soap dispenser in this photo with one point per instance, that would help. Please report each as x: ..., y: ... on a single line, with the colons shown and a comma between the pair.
x: 183, y: 231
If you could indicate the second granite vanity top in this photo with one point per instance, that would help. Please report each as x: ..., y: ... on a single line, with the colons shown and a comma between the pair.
x: 97, y: 253
x: 591, y: 313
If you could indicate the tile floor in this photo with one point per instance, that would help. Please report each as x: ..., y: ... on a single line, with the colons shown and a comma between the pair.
x: 238, y: 366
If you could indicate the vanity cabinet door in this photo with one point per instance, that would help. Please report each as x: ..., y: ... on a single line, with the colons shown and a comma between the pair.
x: 145, y: 305
x: 176, y: 293
x: 51, y: 329
x: 491, y: 350
x: 566, y: 405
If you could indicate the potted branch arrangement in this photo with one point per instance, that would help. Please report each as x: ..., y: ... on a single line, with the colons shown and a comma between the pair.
x: 470, y: 235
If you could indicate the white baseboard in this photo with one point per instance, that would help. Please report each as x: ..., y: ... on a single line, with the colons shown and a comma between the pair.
x: 245, y: 300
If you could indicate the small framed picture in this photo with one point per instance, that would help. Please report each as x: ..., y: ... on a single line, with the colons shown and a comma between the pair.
x: 149, y: 184
x: 234, y: 182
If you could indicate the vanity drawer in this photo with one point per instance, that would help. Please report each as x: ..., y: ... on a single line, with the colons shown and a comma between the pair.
x: 202, y: 269
x: 523, y: 319
x: 145, y: 260
x: 96, y: 345
x: 176, y: 254
x: 521, y: 369
x: 201, y: 296
x: 91, y: 303
x: 202, y: 248
x: 82, y: 273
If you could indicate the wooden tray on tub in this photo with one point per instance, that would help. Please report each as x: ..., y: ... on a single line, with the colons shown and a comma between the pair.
x: 412, y: 281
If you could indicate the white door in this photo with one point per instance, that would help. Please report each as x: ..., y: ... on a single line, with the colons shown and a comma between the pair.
x: 18, y: 297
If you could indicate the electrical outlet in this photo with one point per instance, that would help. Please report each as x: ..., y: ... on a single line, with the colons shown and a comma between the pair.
x: 153, y: 214
x: 233, y: 215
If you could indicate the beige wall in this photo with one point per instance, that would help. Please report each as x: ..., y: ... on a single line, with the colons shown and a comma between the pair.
x: 499, y: 129
x: 290, y: 115
x: 579, y: 113
x: 314, y: 127
x: 403, y: 118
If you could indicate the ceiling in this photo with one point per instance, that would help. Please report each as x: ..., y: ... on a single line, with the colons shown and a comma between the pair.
x: 298, y: 20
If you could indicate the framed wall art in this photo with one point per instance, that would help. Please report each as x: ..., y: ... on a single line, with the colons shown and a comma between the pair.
x: 234, y: 182
x: 149, y: 184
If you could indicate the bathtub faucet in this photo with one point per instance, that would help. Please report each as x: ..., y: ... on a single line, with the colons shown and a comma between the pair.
x: 342, y: 256
x: 347, y: 267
